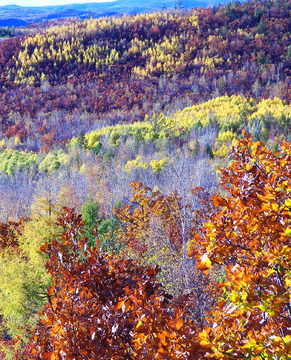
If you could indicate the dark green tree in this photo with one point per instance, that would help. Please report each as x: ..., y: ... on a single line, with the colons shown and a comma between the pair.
x: 208, y: 151
x: 261, y: 58
x: 82, y: 142
x: 89, y: 213
x: 262, y: 28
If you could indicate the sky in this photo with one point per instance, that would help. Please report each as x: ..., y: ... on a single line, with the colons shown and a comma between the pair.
x: 46, y: 2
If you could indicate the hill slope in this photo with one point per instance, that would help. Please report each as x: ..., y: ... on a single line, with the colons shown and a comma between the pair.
x: 80, y: 75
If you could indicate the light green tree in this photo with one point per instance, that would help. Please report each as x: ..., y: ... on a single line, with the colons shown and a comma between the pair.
x: 23, y: 277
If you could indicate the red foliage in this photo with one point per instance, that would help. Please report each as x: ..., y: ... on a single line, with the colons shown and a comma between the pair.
x: 106, y: 308
x: 9, y: 233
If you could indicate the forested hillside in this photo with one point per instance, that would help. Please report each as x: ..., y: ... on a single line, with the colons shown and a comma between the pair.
x: 145, y: 186
x: 122, y: 69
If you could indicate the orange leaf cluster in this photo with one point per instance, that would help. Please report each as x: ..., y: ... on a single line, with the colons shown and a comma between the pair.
x: 106, y: 308
x: 250, y: 237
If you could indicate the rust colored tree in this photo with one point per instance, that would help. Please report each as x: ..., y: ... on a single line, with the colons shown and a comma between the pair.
x: 106, y: 308
x: 9, y: 233
x: 250, y: 237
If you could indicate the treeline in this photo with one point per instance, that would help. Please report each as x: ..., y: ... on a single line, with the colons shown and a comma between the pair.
x: 123, y: 69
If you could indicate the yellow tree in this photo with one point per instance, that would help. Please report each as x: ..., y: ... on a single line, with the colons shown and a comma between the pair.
x: 23, y: 278
x: 251, y: 238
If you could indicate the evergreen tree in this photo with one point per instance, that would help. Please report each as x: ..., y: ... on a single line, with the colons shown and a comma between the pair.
x: 89, y: 213
x: 261, y: 29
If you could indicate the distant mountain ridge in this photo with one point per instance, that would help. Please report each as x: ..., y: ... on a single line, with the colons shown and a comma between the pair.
x: 9, y: 14
x: 12, y: 22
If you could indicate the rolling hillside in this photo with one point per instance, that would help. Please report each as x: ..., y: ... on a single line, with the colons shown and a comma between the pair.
x: 81, y: 75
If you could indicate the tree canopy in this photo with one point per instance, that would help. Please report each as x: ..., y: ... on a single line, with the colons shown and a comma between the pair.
x: 111, y: 306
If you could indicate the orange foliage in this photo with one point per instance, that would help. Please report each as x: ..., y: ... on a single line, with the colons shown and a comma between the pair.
x: 250, y: 237
x: 106, y: 308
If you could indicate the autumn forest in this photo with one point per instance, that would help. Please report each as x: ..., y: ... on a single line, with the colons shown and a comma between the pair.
x: 145, y: 185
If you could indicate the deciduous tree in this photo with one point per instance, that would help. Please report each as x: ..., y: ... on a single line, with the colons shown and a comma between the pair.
x: 158, y: 230
x: 106, y: 308
x: 250, y: 237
